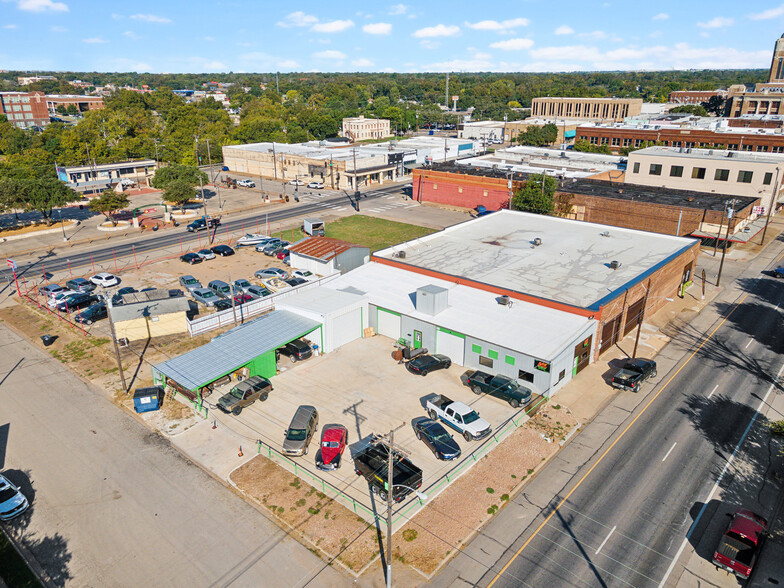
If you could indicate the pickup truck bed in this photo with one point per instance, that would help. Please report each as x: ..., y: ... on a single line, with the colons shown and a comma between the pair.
x: 372, y: 462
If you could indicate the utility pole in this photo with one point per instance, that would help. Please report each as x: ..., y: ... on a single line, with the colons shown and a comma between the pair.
x: 356, y: 181
x: 390, y: 487
x: 274, y: 161
x: 116, y: 347
x: 217, y: 187
x: 730, y: 212
x: 277, y: 87
x: 772, y: 204
x: 446, y: 94
x: 639, y: 318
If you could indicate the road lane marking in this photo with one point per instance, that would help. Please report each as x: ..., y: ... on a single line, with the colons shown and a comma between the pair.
x: 670, y: 451
x: 718, y: 480
x: 623, y: 433
x: 749, y: 343
x: 605, y: 540
x: 716, y: 387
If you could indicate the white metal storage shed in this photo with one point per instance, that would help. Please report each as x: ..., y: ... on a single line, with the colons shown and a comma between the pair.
x: 343, y: 315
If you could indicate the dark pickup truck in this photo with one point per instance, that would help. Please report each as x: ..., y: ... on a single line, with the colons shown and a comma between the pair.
x: 499, y: 386
x: 201, y: 225
x: 371, y: 463
x: 633, y: 374
x: 741, y: 542
x: 244, y: 394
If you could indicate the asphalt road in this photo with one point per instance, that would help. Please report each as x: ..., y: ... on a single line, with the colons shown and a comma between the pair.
x: 153, y: 241
x: 620, y: 516
x: 113, y: 504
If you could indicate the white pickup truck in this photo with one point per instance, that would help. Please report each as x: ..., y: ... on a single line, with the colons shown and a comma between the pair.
x: 459, y: 416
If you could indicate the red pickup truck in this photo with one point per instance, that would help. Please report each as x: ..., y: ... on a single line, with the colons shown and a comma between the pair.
x: 741, y: 542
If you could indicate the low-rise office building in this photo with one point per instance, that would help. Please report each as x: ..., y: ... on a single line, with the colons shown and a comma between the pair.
x: 695, y: 96
x: 24, y: 109
x: 360, y: 128
x: 600, y: 109
x: 99, y: 177
x: 81, y: 103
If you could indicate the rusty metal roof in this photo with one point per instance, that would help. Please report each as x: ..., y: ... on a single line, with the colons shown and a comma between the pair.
x: 323, y: 248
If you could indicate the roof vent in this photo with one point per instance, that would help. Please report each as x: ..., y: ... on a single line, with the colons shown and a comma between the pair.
x: 605, y: 234
x: 537, y: 241
x: 503, y: 300
x: 614, y: 265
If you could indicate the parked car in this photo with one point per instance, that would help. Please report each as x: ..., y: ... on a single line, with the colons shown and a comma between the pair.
x: 12, y: 501
x: 220, y: 287
x: 191, y: 258
x: 459, y: 416
x: 246, y: 183
x: 175, y: 293
x: 305, y: 275
x: 296, y: 182
x: 80, y: 285
x: 222, y: 250
x: 51, y: 290
x: 117, y: 298
x: 241, y: 285
x: 222, y: 304
x: 264, y: 243
x: 55, y: 300
x: 251, y: 239
x: 76, y: 301
x: 316, y: 185
x: 206, y: 296
x: 422, y: 365
x: 242, y: 298
x: 287, y: 260
x: 295, y: 282
x: 275, y: 285
x: 92, y: 313
x: 273, y: 249
x: 297, y: 350
x: 271, y: 272
x: 334, y: 439
x: 205, y: 254
x: 244, y: 394
x: 105, y: 279
x: 633, y: 373
x: 282, y: 253
x: 258, y: 291
x: 189, y: 283
x: 499, y: 386
x: 437, y: 438
x: 778, y: 272
x: 740, y: 545
x: 372, y: 464
x: 201, y: 225
x: 301, y: 430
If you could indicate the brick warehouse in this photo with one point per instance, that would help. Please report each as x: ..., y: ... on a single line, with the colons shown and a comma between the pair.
x: 464, y: 186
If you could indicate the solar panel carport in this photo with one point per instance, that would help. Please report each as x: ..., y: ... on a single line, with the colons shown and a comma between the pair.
x: 251, y: 346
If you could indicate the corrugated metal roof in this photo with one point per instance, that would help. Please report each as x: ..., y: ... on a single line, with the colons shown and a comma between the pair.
x: 235, y: 348
x: 134, y: 310
x: 323, y: 248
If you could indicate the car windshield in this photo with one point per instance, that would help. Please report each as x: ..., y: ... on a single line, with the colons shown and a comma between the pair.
x: 242, y: 283
x: 237, y: 393
x: 332, y: 444
x: 6, y: 494
x: 190, y: 281
x: 207, y: 294
x: 296, y: 435
x: 470, y: 417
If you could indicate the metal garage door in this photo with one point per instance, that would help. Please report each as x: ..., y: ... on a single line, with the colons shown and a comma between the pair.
x: 388, y: 324
x: 346, y: 327
x: 451, y: 344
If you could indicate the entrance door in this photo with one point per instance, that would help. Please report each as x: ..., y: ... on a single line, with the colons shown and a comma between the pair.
x: 582, y: 355
x: 633, y: 314
x: 417, y: 339
x: 610, y: 333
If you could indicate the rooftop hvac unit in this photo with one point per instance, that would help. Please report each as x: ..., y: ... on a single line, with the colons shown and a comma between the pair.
x: 605, y: 234
x: 614, y: 265
x: 537, y: 241
x: 401, y: 254
x: 503, y: 300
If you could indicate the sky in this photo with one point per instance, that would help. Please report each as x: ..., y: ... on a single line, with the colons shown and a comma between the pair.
x: 206, y: 36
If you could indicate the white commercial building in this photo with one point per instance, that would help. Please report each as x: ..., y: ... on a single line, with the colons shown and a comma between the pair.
x: 360, y: 128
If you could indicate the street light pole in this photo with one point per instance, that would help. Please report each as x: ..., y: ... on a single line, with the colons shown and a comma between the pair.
x: 772, y: 204
x: 730, y: 212
x: 62, y: 226
x: 390, y: 487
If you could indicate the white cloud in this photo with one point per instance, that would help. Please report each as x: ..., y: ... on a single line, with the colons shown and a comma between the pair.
x: 287, y: 64
x: 94, y: 40
x: 329, y: 54
x: 124, y: 64
x: 437, y: 31
x: 362, y: 63
x: 494, y: 25
x: 513, y: 44
x: 398, y: 9
x: 661, y: 16
x: 427, y: 44
x: 564, y: 30
x: 298, y: 19
x: 58, y: 29
x: 335, y: 26
x: 378, y: 28
x: 460, y: 65
x: 594, y: 35
x: 150, y: 18
x: 717, y: 22
x: 482, y: 56
x: 768, y: 14
x: 131, y: 35
x: 42, y: 6
x: 10, y: 26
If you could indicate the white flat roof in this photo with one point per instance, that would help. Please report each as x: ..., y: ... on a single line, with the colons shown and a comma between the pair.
x: 529, y: 328
x: 571, y: 265
x: 321, y: 300
x: 525, y: 159
x: 691, y: 153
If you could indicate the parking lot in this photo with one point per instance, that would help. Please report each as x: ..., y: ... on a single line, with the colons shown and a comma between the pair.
x: 361, y: 387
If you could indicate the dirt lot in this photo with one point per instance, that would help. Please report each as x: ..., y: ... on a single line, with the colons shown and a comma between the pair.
x: 430, y: 537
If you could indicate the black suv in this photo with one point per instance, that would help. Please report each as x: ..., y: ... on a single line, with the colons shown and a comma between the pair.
x: 200, y: 224
x: 297, y: 350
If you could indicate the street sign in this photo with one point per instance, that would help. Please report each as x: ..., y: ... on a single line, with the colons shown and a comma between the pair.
x: 149, y: 210
x: 11, y: 263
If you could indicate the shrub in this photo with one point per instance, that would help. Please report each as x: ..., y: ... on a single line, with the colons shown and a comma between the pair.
x: 409, y: 535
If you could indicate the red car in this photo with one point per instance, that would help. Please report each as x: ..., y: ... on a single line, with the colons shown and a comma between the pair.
x: 283, y: 253
x: 334, y: 439
x: 242, y: 298
x: 741, y: 542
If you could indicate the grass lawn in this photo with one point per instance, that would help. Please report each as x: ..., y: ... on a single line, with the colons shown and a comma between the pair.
x: 13, y: 569
x: 373, y: 232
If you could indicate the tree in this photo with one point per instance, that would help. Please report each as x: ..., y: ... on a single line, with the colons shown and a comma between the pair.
x: 43, y: 194
x: 539, y: 136
x: 533, y: 197
x: 178, y: 173
x: 179, y: 192
x: 562, y: 205
x: 715, y: 105
x: 694, y: 109
x: 108, y: 204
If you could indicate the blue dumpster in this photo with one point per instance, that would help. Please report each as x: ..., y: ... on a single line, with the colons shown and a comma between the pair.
x: 147, y: 399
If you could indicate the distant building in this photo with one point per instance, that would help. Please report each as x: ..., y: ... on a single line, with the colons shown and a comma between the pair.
x: 601, y: 109
x: 81, y: 84
x: 27, y: 80
x: 24, y: 109
x: 695, y: 96
x: 82, y: 103
x: 99, y: 177
x: 763, y: 98
x: 360, y: 128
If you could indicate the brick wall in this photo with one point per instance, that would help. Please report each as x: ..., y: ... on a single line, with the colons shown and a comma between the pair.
x: 460, y: 189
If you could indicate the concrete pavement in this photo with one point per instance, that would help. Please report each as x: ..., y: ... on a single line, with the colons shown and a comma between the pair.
x: 113, y: 504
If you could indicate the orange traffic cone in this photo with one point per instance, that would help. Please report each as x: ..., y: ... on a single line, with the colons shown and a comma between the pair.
x: 240, y: 452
